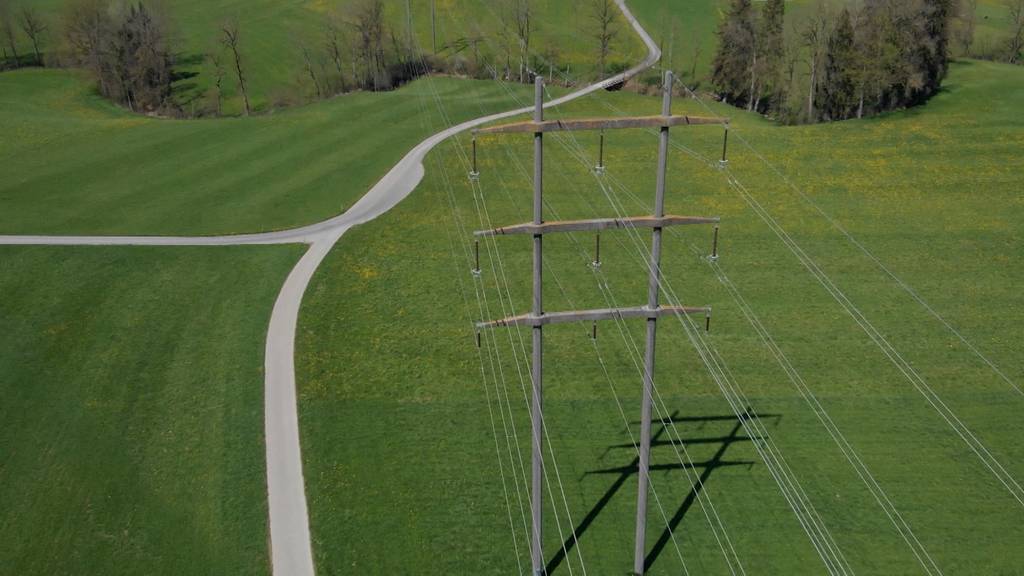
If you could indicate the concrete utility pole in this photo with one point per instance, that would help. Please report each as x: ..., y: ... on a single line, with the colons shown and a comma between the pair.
x: 538, y: 318
x: 433, y: 26
x: 536, y: 413
x: 652, y: 333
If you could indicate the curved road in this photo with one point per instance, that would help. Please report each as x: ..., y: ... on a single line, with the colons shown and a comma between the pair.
x: 291, y: 549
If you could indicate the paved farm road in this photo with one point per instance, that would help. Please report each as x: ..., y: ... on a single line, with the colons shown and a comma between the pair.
x: 291, y: 550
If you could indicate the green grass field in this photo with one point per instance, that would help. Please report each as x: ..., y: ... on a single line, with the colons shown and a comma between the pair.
x: 75, y: 164
x: 130, y: 433
x: 401, y: 462
x: 131, y: 430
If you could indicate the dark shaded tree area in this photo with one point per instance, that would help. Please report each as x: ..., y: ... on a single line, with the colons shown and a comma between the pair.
x: 883, y: 55
x: 128, y: 52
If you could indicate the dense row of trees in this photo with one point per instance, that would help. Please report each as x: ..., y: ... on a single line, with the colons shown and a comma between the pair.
x: 857, y: 61
x: 883, y: 55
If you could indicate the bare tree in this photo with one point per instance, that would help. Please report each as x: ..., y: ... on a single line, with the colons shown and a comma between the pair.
x: 230, y: 40
x: 521, y: 19
x: 335, y: 40
x: 218, y: 79
x: 507, y: 41
x: 310, y: 66
x: 369, y: 23
x: 755, y: 69
x: 87, y: 28
x: 1015, y: 13
x: 605, y: 29
x: 815, y: 38
x: 966, y: 23
x: 7, y: 29
x: 34, y: 27
x: 697, y: 48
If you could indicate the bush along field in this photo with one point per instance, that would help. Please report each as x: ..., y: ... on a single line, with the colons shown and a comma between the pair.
x: 416, y: 442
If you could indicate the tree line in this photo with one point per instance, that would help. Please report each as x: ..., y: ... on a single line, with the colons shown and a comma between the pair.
x: 371, y: 45
x: 130, y: 49
x: 848, y: 63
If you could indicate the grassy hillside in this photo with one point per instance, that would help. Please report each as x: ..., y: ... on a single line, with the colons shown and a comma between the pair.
x: 272, y: 30
x: 131, y: 430
x: 77, y: 164
x: 408, y: 458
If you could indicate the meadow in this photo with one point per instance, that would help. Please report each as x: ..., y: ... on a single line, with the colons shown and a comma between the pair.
x: 931, y: 192
x: 76, y: 164
x: 131, y: 431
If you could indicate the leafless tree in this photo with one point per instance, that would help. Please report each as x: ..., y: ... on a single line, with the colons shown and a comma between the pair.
x: 218, y: 79
x: 369, y: 24
x: 34, y: 27
x: 697, y: 48
x: 1015, y: 12
x: 7, y: 29
x: 507, y: 41
x: 517, y: 17
x: 966, y: 23
x: 604, y: 29
x: 336, y: 45
x: 87, y: 27
x: 523, y: 30
x: 230, y: 40
x: 309, y: 65
x: 815, y: 38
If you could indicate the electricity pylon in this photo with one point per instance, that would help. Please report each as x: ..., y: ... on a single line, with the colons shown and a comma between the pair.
x: 538, y: 318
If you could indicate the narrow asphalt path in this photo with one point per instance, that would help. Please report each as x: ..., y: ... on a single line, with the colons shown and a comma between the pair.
x: 291, y: 549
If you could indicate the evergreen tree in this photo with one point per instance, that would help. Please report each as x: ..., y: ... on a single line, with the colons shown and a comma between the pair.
x: 937, y: 16
x: 774, y: 51
x: 732, y: 68
x: 877, y: 57
x: 839, y: 89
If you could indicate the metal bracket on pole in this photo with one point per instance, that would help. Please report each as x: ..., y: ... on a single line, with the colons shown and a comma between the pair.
x: 724, y: 162
x: 714, y: 247
x: 476, y: 252
x: 474, y: 174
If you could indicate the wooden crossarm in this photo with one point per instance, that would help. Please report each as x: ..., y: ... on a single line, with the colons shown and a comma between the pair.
x: 592, y: 315
x: 597, y: 224
x: 617, y: 123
